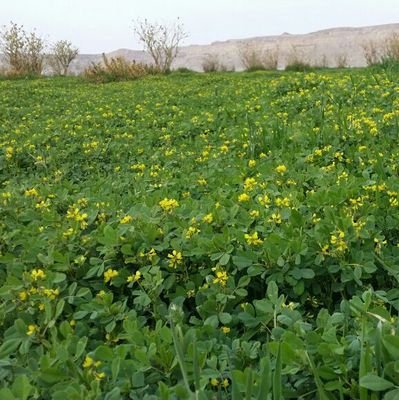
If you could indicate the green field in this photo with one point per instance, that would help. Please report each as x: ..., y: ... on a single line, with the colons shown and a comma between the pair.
x: 200, y: 236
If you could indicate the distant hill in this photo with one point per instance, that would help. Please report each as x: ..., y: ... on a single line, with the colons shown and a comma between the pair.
x: 328, y: 47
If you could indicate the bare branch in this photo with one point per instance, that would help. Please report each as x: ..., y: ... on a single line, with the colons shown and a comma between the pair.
x: 161, y: 41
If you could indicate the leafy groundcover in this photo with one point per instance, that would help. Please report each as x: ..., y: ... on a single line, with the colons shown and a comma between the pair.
x: 200, y: 237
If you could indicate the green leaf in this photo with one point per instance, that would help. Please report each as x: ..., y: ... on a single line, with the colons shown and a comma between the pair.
x: 225, y: 318
x: 375, y: 383
x: 9, y: 346
x: 80, y: 347
x: 104, y: 353
x: 391, y: 344
x: 241, y: 262
x: 21, y: 387
x: 115, y: 367
x: 224, y: 259
x: 392, y: 395
x: 114, y: 394
x: 212, y: 321
x: 307, y: 273
x: 6, y: 394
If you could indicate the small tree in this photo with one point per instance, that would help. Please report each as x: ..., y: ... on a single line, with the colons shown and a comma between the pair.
x: 24, y: 52
x: 62, y: 54
x: 161, y: 41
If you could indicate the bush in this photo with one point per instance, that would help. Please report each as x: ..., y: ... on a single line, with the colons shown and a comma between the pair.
x: 184, y: 70
x: 255, y: 59
x: 211, y: 63
x: 297, y: 62
x: 299, y: 66
x: 23, y: 51
x: 117, y: 69
x: 385, y: 54
x: 342, y: 60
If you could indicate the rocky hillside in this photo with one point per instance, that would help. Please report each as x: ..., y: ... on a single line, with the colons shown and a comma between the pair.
x: 329, y: 47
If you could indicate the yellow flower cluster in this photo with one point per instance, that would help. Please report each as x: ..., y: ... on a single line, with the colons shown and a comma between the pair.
x: 91, y: 365
x: 168, y: 205
x: 221, y: 278
x: 191, y: 231
x: 243, y: 197
x: 208, y: 218
x: 37, y: 274
x: 134, y: 278
x: 253, y: 239
x: 32, y: 329
x: 223, y: 383
x: 250, y: 184
x: 281, y: 169
x: 74, y: 214
x: 175, y: 258
x: 337, y: 240
x: 126, y: 219
x: 109, y: 274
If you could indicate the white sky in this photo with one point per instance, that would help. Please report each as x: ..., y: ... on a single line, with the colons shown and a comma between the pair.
x: 97, y: 26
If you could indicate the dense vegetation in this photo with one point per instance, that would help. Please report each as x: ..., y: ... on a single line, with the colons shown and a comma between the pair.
x: 200, y: 236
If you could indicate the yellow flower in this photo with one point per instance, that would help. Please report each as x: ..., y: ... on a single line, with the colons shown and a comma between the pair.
x: 221, y: 278
x: 264, y: 200
x: 250, y: 184
x: 225, y: 329
x: 214, y: 382
x: 151, y: 254
x: 32, y: 329
x: 191, y: 231
x: 99, y: 375
x: 281, y: 169
x: 251, y: 163
x: 31, y: 193
x: 175, y: 258
x: 282, y: 202
x: 254, y: 213
x: 208, y: 218
x: 23, y: 295
x: 126, y: 219
x: 225, y: 383
x: 253, y: 239
x: 134, y: 278
x: 168, y: 205
x: 243, y: 197
x: 324, y: 249
x: 202, y: 182
x: 37, y: 274
x: 276, y: 218
x: 88, y: 362
x: 224, y: 149
x: 337, y: 240
x: 109, y: 274
x: 74, y: 213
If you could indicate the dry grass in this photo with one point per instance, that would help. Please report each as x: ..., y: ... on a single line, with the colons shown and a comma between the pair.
x: 117, y: 69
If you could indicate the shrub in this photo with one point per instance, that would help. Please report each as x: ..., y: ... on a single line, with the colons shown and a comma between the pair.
x: 23, y: 51
x: 371, y: 53
x: 184, y: 70
x: 211, y: 63
x: 341, y: 60
x: 117, y: 69
x: 384, y: 54
x: 254, y: 58
x: 297, y: 62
